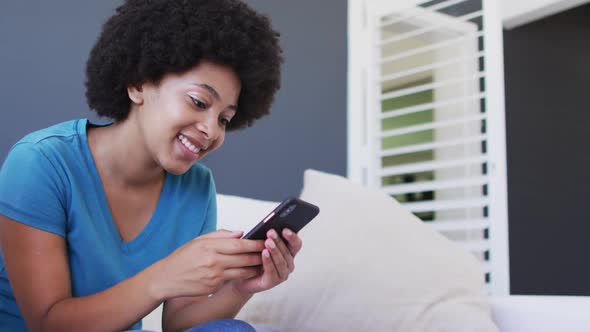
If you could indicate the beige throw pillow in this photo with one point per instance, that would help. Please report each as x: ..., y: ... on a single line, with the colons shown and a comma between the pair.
x: 369, y: 265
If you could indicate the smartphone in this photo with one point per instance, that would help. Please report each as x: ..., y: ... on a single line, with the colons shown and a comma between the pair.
x: 293, y: 213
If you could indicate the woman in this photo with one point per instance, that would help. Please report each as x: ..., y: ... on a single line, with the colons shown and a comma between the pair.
x: 101, y: 224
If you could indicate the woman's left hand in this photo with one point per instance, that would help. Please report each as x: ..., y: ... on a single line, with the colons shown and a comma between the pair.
x: 277, y: 263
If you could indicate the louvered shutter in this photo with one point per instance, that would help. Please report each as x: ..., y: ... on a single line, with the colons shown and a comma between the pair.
x: 426, y: 117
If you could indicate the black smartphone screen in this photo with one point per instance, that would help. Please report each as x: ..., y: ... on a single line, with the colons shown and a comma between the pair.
x: 293, y: 213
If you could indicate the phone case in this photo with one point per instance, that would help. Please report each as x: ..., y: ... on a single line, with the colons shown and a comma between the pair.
x: 293, y: 213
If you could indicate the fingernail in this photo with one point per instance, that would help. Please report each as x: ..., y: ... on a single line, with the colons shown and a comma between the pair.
x: 271, y: 244
x: 288, y: 232
x: 265, y: 253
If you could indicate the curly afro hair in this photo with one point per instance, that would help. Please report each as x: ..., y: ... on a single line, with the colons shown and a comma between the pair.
x: 147, y: 39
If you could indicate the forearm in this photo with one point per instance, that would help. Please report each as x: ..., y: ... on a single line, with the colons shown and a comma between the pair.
x: 225, y: 303
x: 114, y: 309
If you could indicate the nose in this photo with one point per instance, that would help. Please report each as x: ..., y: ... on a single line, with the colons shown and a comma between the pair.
x: 208, y: 127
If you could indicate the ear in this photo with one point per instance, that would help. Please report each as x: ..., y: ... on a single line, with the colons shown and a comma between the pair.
x: 135, y: 93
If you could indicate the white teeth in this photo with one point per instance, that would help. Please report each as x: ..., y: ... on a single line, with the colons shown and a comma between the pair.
x: 188, y: 144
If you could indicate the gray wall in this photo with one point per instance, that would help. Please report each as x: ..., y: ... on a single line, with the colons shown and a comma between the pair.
x: 548, y: 131
x: 43, y: 51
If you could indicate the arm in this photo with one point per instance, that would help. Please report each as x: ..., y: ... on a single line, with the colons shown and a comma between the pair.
x: 184, y: 312
x: 34, y: 191
x: 37, y: 266
x: 277, y: 263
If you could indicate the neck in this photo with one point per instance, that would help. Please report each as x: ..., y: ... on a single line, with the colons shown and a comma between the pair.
x: 121, y: 155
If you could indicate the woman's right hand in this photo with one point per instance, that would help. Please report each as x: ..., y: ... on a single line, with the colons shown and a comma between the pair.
x: 204, y: 264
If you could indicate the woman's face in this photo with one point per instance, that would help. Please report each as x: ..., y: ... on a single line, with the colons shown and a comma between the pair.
x: 184, y: 117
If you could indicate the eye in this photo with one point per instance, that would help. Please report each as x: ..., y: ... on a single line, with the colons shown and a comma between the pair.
x: 224, y: 122
x: 198, y: 103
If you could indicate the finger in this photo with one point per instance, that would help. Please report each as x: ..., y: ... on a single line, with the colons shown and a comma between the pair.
x: 277, y: 257
x: 222, y: 234
x: 294, y: 241
x: 238, y: 261
x: 237, y: 246
x: 283, y: 249
x: 268, y: 266
x: 241, y: 273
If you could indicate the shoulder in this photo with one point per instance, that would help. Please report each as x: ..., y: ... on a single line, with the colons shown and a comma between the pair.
x: 46, y: 152
x: 60, y: 131
x: 50, y: 139
x: 34, y: 187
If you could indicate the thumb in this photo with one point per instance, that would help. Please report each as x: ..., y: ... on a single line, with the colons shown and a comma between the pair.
x: 223, y: 234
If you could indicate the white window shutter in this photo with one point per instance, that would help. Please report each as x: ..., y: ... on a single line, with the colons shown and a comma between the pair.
x: 426, y: 117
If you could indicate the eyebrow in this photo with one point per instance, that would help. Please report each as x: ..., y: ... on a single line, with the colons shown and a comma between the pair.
x: 214, y: 93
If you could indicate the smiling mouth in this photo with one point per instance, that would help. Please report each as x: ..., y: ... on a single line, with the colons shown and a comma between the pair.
x: 188, y: 144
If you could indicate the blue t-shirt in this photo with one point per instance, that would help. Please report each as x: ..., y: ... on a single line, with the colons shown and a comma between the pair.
x: 49, y: 181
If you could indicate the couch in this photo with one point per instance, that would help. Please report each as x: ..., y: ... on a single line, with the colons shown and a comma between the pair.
x: 369, y: 265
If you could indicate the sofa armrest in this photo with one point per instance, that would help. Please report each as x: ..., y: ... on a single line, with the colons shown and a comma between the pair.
x: 541, y: 313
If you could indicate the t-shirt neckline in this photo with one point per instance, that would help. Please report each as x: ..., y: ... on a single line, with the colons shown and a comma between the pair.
x: 156, y: 218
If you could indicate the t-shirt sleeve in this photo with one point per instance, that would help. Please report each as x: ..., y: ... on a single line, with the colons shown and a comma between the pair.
x: 210, y: 223
x: 31, y: 190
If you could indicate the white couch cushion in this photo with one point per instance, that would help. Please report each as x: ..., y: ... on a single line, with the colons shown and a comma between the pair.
x: 516, y: 313
x: 236, y: 213
x: 367, y: 265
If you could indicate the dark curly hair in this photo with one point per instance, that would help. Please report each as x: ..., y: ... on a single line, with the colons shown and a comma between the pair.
x: 146, y: 39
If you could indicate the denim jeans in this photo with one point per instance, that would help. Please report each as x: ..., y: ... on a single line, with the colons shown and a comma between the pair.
x: 222, y: 325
